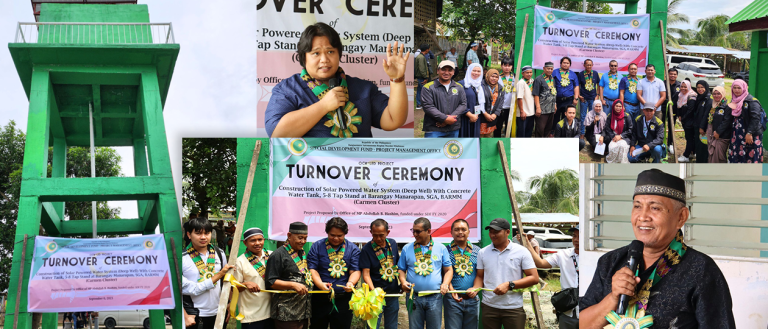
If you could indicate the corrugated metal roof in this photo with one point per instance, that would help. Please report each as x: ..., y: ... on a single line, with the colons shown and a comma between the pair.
x: 754, y: 10
x: 530, y: 218
x: 710, y: 50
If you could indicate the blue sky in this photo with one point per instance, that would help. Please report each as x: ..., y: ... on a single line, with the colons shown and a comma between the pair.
x: 697, y: 9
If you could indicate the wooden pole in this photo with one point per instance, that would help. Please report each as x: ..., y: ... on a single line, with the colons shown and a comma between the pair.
x: 512, y: 109
x: 236, y: 238
x: 516, y: 214
x: 671, y: 119
x: 21, y: 283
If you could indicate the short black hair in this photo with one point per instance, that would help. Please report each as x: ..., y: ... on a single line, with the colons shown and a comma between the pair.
x: 507, y: 61
x: 630, y: 65
x: 380, y: 222
x: 587, y: 60
x: 424, y: 222
x: 564, y: 58
x: 613, y: 61
x: 672, y: 69
x: 460, y: 220
x: 338, y: 223
x: 198, y: 224
x: 570, y: 106
x: 424, y: 47
x: 316, y: 30
x: 650, y: 66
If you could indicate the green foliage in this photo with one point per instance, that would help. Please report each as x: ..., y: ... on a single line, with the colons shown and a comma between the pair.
x: 711, y: 31
x: 11, y: 155
x: 209, y: 172
x: 555, y: 192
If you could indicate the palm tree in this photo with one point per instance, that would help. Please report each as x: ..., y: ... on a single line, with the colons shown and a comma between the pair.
x: 713, y: 31
x: 675, y: 17
x: 556, y: 192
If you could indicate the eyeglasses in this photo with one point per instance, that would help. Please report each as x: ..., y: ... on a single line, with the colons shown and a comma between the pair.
x: 614, y: 66
x: 416, y: 232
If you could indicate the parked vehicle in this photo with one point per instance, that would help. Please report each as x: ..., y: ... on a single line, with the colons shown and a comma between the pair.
x: 673, y: 60
x: 694, y: 72
x: 741, y: 75
x: 550, y: 240
x: 132, y: 318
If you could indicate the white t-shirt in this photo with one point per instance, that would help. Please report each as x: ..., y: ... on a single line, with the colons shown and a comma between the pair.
x: 254, y: 306
x: 205, y: 295
x: 503, y: 266
x: 569, y: 277
x: 524, y: 92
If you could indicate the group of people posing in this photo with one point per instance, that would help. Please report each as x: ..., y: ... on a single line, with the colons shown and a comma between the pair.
x: 335, y: 263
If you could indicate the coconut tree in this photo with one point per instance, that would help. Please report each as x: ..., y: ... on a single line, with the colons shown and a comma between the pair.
x: 675, y: 17
x: 713, y: 31
x: 555, y: 192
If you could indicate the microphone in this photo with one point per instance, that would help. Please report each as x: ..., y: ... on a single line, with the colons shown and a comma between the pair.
x: 333, y: 83
x: 635, y: 254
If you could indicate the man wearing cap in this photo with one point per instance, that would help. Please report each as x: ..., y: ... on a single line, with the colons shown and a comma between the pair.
x: 530, y: 235
x: 378, y: 263
x: 568, y: 262
x: 647, y: 137
x: 333, y: 262
x: 500, y: 266
x: 472, y: 54
x: 677, y: 285
x: 250, y: 270
x: 443, y: 101
x: 421, y: 72
x: 544, y: 98
x: 424, y: 265
x: 461, y: 309
x: 287, y: 270
x: 526, y: 108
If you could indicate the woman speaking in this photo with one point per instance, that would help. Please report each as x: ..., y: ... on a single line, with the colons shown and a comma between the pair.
x: 322, y: 101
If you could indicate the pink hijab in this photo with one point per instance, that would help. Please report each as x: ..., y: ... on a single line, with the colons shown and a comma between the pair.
x: 737, y: 103
x: 683, y: 99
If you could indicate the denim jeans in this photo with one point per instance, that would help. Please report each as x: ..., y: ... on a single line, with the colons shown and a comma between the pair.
x: 584, y: 108
x: 632, y: 110
x: 656, y: 153
x: 389, y: 315
x: 427, y: 309
x: 461, y: 315
x: 418, y: 92
x: 438, y: 134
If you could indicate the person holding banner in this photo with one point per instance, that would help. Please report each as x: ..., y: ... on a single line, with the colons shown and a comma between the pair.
x: 544, y: 96
x: 500, y: 266
x: 526, y: 108
x: 287, y: 270
x: 378, y: 263
x: 567, y: 85
x: 424, y: 265
x: 609, y: 86
x: 333, y: 262
x: 617, y: 133
x: 322, y: 101
x: 628, y: 92
x: 461, y: 309
x: 444, y: 101
x: 203, y: 268
x: 507, y: 80
x: 250, y: 270
x: 477, y: 102
x: 590, y: 80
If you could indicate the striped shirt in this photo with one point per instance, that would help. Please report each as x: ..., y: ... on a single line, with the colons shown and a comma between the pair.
x: 467, y: 281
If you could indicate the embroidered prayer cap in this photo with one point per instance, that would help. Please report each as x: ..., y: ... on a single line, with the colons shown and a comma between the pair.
x: 446, y: 63
x: 549, y: 64
x: 498, y: 224
x: 657, y: 182
x: 527, y: 68
x: 298, y: 228
x: 251, y: 232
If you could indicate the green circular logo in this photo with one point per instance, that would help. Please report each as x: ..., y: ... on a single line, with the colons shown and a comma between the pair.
x: 550, y: 17
x: 297, y: 146
x: 453, y: 149
x: 635, y: 23
x: 51, y: 246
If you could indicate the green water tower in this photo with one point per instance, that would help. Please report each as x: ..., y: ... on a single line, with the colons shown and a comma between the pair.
x: 95, y: 74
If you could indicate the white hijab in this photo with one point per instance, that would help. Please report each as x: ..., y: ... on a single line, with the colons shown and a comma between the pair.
x: 477, y: 83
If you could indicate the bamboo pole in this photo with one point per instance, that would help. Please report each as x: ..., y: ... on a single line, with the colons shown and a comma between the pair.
x: 511, y: 118
x: 516, y: 214
x: 671, y: 119
x: 236, y: 238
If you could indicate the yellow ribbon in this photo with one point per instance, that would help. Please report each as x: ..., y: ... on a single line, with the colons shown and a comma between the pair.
x: 367, y: 304
x: 430, y: 292
x: 233, y: 312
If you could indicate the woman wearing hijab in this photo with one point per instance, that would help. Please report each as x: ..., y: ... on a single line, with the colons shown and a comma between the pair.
x: 702, y: 107
x: 617, y: 133
x: 747, y: 141
x: 686, y: 103
x: 492, y: 91
x: 473, y: 87
x: 594, y: 122
x: 718, y: 129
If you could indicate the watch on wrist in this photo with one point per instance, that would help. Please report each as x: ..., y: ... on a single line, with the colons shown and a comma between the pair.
x: 400, y: 79
x: 511, y: 285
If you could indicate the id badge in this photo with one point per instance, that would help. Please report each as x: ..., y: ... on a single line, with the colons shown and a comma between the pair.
x: 478, y: 109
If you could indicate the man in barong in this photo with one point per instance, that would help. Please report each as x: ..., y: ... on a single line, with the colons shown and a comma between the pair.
x: 675, y: 284
x: 287, y: 270
x: 250, y: 270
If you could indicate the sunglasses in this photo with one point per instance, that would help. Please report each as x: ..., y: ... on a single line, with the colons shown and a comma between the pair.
x: 614, y: 66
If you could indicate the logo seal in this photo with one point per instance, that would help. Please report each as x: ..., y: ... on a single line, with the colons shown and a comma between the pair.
x: 453, y: 149
x: 297, y: 146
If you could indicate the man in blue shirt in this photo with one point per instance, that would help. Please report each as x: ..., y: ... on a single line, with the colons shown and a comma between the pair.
x: 628, y: 92
x: 472, y: 54
x: 567, y: 85
x: 378, y: 262
x: 609, y: 86
x: 333, y: 262
x: 588, y: 79
x: 461, y: 311
x: 425, y: 265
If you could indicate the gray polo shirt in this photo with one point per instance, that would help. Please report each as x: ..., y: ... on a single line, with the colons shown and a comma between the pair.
x: 501, y: 266
x: 651, y: 90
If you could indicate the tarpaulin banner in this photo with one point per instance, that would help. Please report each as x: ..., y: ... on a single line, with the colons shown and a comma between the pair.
x: 365, y: 30
x: 315, y: 179
x: 598, y: 37
x: 70, y: 275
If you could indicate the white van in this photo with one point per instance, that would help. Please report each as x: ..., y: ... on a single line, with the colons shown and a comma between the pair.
x: 674, y: 60
x: 132, y: 318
